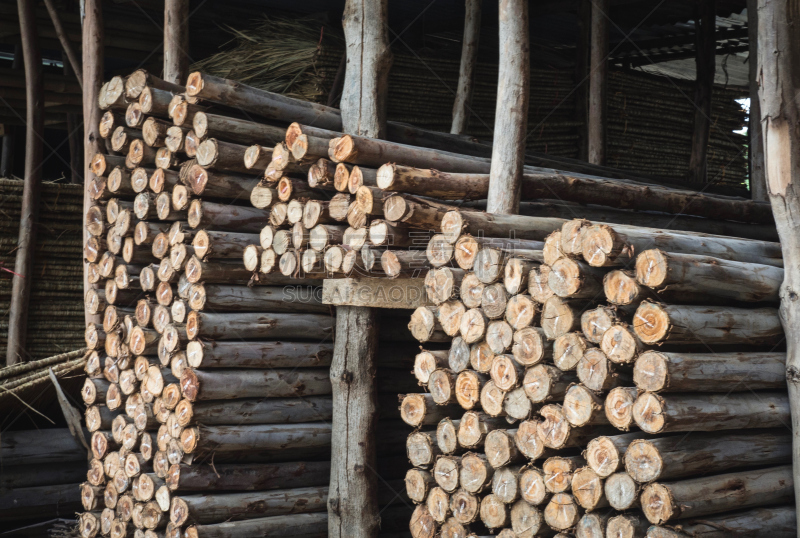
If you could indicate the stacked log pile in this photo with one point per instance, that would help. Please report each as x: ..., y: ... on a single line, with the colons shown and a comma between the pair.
x: 558, y: 348
x: 208, y: 390
x: 208, y: 393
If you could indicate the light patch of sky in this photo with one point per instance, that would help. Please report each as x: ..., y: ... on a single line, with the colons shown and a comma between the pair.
x: 745, y: 103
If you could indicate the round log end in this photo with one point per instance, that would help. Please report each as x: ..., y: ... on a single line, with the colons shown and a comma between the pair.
x: 657, y: 504
x: 190, y: 385
x: 561, y: 513
x: 565, y: 278
x: 494, y: 512
x: 651, y: 323
x: 619, y: 407
x: 468, y: 386
x: 466, y: 248
x: 620, y: 344
x: 178, y: 511
x: 422, y: 524
x: 500, y: 448
x: 580, y: 406
x: 529, y: 346
x: 643, y: 461
x: 343, y: 149
x: 189, y: 439
x: 602, y: 456
x: 651, y: 268
x: 554, y: 429
x: 413, y: 409
x: 650, y: 372
x: 531, y: 485
x: 587, y: 488
x: 648, y: 412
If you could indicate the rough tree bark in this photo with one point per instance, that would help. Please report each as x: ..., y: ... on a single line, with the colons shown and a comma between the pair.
x: 779, y: 62
x: 176, y: 40
x: 511, y: 118
x: 469, y: 59
x: 705, y: 48
x: 34, y: 134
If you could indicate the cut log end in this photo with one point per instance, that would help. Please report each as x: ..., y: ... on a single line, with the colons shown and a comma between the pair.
x: 619, y: 407
x: 648, y: 412
x: 651, y: 323
x: 561, y: 513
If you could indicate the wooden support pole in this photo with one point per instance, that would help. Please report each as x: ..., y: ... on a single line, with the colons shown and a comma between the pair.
x: 469, y: 60
x: 511, y: 117
x: 74, y: 139
x: 65, y: 42
x: 364, y: 96
x: 705, y: 49
x: 92, y: 49
x: 755, y: 149
x: 779, y: 82
x: 582, y: 45
x: 176, y: 40
x: 34, y: 135
x: 598, y: 81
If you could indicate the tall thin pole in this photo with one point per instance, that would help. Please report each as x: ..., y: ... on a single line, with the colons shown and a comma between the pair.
x: 705, y: 49
x: 511, y: 116
x: 69, y: 50
x: 11, y: 132
x: 469, y: 59
x: 34, y: 133
x: 755, y: 149
x: 92, y: 18
x: 598, y: 82
x: 582, y: 47
x: 176, y: 40
x: 779, y: 81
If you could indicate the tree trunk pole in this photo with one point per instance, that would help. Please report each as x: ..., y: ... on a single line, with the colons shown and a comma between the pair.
x: 511, y: 118
x: 755, y: 148
x: 705, y: 48
x: 75, y: 159
x: 582, y: 51
x: 65, y: 42
x: 352, y: 495
x: 778, y: 60
x: 598, y: 81
x: 176, y: 40
x: 92, y: 48
x: 469, y: 59
x: 364, y: 95
x: 34, y: 134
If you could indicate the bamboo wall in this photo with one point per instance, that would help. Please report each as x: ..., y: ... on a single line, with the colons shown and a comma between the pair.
x: 650, y: 118
x: 55, y: 318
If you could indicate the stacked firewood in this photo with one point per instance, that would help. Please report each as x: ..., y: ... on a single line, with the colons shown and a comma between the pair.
x: 208, y: 393
x: 557, y: 345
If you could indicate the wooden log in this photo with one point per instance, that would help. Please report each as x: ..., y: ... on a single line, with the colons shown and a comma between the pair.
x: 606, y: 246
x: 598, y: 83
x: 215, y: 184
x: 655, y: 323
x: 621, y: 344
x: 662, y: 502
x: 571, y: 278
x: 668, y: 458
x: 236, y: 130
x: 705, y: 56
x: 543, y: 383
x: 221, y: 155
x: 622, y: 491
x: 595, y: 322
x: 312, y: 525
x: 454, y: 223
x: 582, y: 407
x: 420, y: 409
x: 669, y: 413
x: 508, y: 151
x: 597, y: 373
x: 619, y: 407
x: 252, y: 325
x: 776, y: 521
x: 210, y: 508
x: 561, y: 316
x: 271, y: 441
x: 562, y: 512
x: 224, y: 217
x: 593, y: 525
x: 605, y: 454
x: 587, y: 489
x: 686, y: 273
x: 657, y: 371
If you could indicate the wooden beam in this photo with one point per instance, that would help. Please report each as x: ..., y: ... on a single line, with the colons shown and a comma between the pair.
x: 364, y: 95
x: 582, y: 47
x: 176, y: 40
x: 92, y: 49
x: 34, y: 135
x: 779, y: 85
x: 755, y: 149
x: 65, y: 42
x: 511, y: 116
x: 469, y: 59
x: 705, y: 50
x: 352, y: 495
x: 73, y: 137
x: 598, y: 81
x: 407, y: 293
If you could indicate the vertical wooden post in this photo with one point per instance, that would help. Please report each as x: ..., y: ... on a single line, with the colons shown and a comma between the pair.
x: 352, y: 495
x: 64, y: 39
x: 779, y: 85
x: 369, y: 58
x: 176, y: 40
x: 92, y: 48
x: 73, y: 138
x: 34, y: 133
x: 469, y: 59
x: 11, y: 131
x: 705, y: 49
x: 582, y: 48
x: 755, y: 147
x: 598, y: 82
x: 511, y: 116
